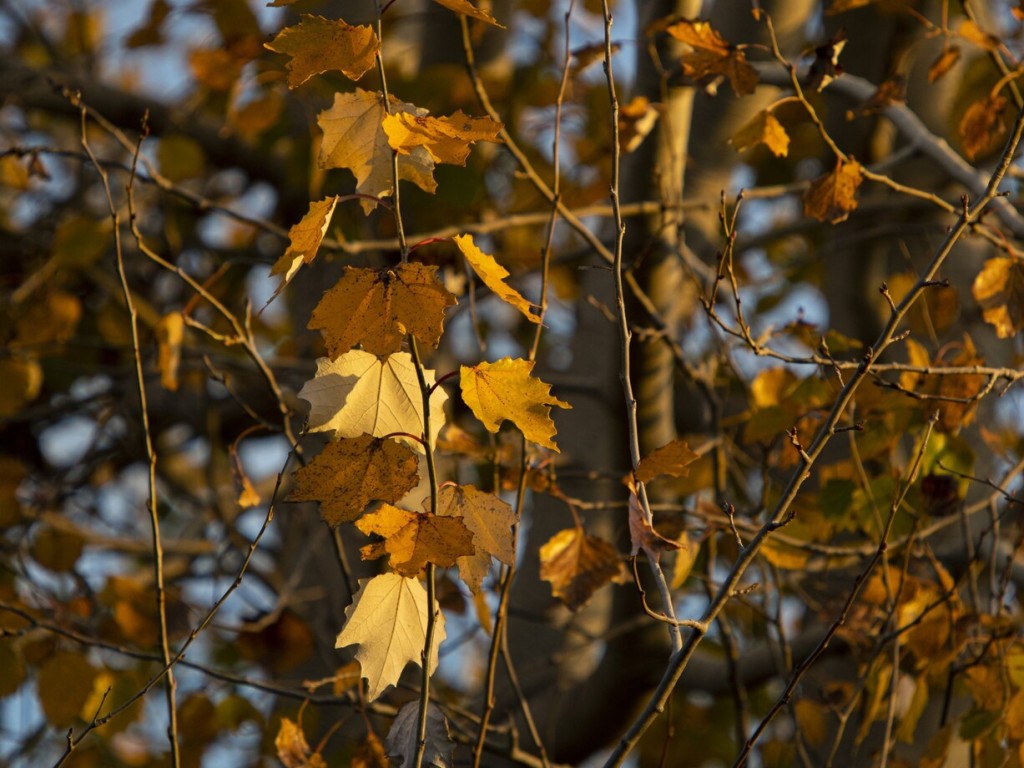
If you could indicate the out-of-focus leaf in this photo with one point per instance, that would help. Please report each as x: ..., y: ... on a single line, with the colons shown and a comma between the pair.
x: 577, y: 565
x: 403, y: 738
x: 999, y: 289
x: 832, y: 197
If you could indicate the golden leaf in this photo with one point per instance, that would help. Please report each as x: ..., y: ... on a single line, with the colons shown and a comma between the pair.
x: 636, y: 120
x: 23, y: 381
x: 467, y: 8
x: 377, y: 308
x: 812, y: 721
x: 64, y: 683
x: 388, y: 620
x: 713, y: 57
x: 446, y: 139
x: 354, y: 138
x: 349, y: 474
x: 970, y: 31
x: 370, y: 754
x: 489, y: 519
x: 293, y: 749
x: 833, y: 196
x: 577, y: 565
x: 784, y: 556
x: 999, y: 289
x: 317, y: 45
x: 765, y: 129
x: 493, y: 275
x: 982, y: 125
x: 304, y: 240
x: 943, y: 63
x: 506, y: 390
x: 686, y: 556
x: 412, y: 540
x: 671, y: 459
x: 170, y: 332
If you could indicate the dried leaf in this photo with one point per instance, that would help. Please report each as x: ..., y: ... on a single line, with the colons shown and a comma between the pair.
x: 489, y: 519
x: 446, y: 139
x: 999, y: 289
x: 370, y: 754
x: 493, y: 276
x: 891, y: 91
x: 642, y: 534
x: 943, y: 63
x: 577, y: 565
x: 361, y: 394
x: 412, y: 540
x: 23, y: 381
x: 826, y: 67
x: 671, y: 459
x: 713, y: 57
x: 403, y: 738
x: 349, y: 474
x: 636, y: 120
x: 832, y: 197
x: 354, y: 138
x: 388, y: 620
x: 170, y: 332
x: 765, y: 129
x: 317, y: 45
x: 304, y: 240
x: 293, y: 749
x: 377, y: 308
x: 467, y: 8
x: 506, y: 390
x: 982, y: 125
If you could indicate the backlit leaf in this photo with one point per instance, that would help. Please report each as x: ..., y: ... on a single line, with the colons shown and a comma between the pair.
x: 999, y: 289
x: 388, y: 621
x: 713, y: 57
x: 982, y: 125
x: 360, y: 393
x: 169, y: 335
x: 377, y: 308
x: 686, y: 556
x: 671, y: 459
x: 293, y: 749
x: 467, y: 8
x: 446, y: 139
x: 413, y: 539
x: 403, y: 738
x: 304, y: 240
x: 493, y: 276
x: 943, y: 63
x: 349, y: 474
x: 506, y: 390
x: 577, y: 565
x: 489, y: 519
x: 317, y: 45
x: 354, y: 138
x: 765, y: 129
x: 833, y: 196
x: 370, y: 754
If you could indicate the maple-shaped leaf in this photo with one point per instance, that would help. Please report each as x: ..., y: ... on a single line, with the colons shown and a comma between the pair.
x: 304, y: 240
x: 493, y: 276
x: 446, y: 139
x: 354, y: 138
x: 404, y: 737
x: 388, y: 620
x: 317, y: 45
x: 414, y: 539
x: 378, y: 307
x: 506, y: 390
x: 671, y: 459
x: 348, y: 474
x: 293, y: 749
x: 832, y: 196
x: 360, y: 393
x: 642, y: 534
x: 999, y: 289
x: 983, y: 125
x: 577, y: 565
x: 467, y: 8
x: 765, y: 129
x: 490, y: 520
x: 713, y: 57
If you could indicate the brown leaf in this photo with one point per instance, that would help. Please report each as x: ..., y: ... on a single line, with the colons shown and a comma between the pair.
x: 377, y: 308
x: 23, y: 381
x: 891, y: 91
x: 293, y: 749
x: 982, y: 125
x: 636, y: 120
x: 412, y: 540
x: 446, y: 139
x: 765, y: 129
x: 642, y: 534
x: 826, y: 67
x: 350, y: 473
x: 467, y: 8
x: 713, y: 57
x: 671, y: 459
x: 489, y: 519
x: 318, y: 45
x: 833, y: 196
x: 999, y: 289
x: 943, y: 63
x: 370, y: 754
x: 577, y: 565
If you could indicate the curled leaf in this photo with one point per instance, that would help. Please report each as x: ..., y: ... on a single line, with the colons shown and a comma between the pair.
x: 494, y: 275
x: 577, y: 565
x: 833, y: 196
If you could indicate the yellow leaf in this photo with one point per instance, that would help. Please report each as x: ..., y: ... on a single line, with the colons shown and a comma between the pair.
x: 971, y: 32
x: 784, y: 556
x: 412, y: 540
x: 765, y: 129
x: 64, y: 683
x: 999, y: 289
x: 686, y: 556
x: 671, y: 459
x: 982, y: 125
x: 771, y: 386
x: 489, y: 519
x: 506, y: 390
x: 833, y: 196
x: 636, y: 120
x: 248, y: 497
x: 812, y: 721
x: 377, y: 308
x: 388, y: 620
x: 53, y: 319
x: 23, y: 380
x: 349, y: 474
x: 713, y: 57
x: 360, y: 393
x: 493, y: 275
x: 304, y: 240
x: 317, y: 45
x: 446, y: 139
x: 170, y: 332
x: 293, y: 749
x: 354, y: 138
x: 467, y: 8
x: 577, y: 565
